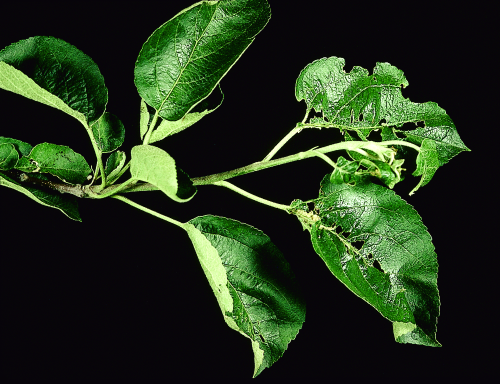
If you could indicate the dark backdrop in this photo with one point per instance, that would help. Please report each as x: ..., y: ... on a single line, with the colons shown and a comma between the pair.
x: 122, y: 296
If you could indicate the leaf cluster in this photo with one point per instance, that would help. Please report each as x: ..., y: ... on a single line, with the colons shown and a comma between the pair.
x: 368, y: 237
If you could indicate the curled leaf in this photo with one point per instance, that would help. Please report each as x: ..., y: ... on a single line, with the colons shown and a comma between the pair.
x: 154, y: 165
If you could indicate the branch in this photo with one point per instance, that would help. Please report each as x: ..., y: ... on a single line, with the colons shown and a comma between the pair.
x: 77, y: 190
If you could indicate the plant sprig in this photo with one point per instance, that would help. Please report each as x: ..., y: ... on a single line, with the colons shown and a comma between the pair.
x: 395, y: 267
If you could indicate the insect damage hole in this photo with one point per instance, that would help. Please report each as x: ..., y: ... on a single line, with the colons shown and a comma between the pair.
x: 377, y: 265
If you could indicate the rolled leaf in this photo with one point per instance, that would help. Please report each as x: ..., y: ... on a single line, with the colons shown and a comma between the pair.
x: 55, y: 73
x: 253, y: 283
x: 183, y: 60
x: 377, y: 246
x: 154, y: 165
x: 427, y: 163
x: 114, y: 164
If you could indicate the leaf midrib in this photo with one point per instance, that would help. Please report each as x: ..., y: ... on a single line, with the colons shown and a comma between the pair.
x: 190, y: 56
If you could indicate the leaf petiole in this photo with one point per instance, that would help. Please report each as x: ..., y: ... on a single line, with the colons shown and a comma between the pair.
x: 251, y: 196
x: 284, y: 140
x: 150, y: 211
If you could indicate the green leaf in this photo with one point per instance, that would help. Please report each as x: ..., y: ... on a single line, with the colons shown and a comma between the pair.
x: 144, y: 119
x: 24, y: 164
x: 23, y: 148
x: 55, y: 73
x: 58, y: 160
x: 183, y: 60
x: 67, y: 204
x: 154, y: 165
x: 253, y: 283
x: 361, y: 102
x: 109, y: 132
x: 427, y: 163
x: 376, y: 244
x: 168, y: 128
x: 345, y: 171
x: 114, y: 165
x: 8, y: 156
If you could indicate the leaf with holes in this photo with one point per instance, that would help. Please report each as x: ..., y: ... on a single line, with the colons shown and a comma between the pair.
x: 359, y: 102
x: 253, y: 283
x: 183, y: 60
x: 377, y: 246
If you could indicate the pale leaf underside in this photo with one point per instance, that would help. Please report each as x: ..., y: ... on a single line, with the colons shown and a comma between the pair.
x: 252, y: 282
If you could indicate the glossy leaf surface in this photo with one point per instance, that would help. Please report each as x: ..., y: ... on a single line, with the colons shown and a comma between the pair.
x: 361, y: 102
x: 253, y: 283
x: 183, y: 60
x: 376, y: 244
x: 53, y: 72
x: 8, y: 156
x: 58, y: 160
x: 109, y: 132
x: 155, y: 166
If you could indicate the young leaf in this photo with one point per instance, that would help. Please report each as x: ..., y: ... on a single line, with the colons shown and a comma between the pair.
x: 183, y: 60
x: 168, y: 128
x: 55, y: 73
x: 155, y: 166
x: 253, y: 283
x: 363, y: 103
x: 345, y: 171
x: 114, y: 165
x: 427, y: 163
x: 109, y: 132
x: 8, y: 156
x: 23, y: 148
x: 58, y: 160
x: 67, y: 204
x: 376, y: 244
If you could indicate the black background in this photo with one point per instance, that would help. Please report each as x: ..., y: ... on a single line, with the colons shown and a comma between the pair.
x: 121, y: 296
